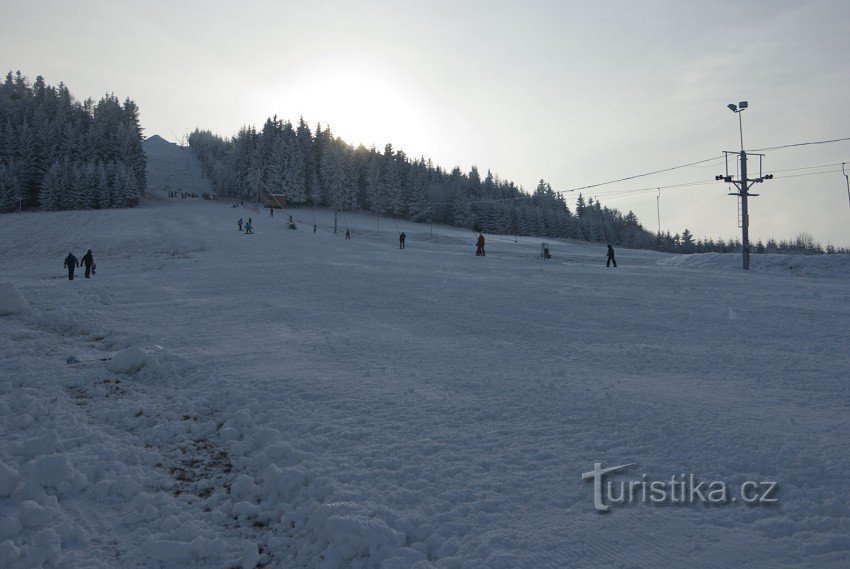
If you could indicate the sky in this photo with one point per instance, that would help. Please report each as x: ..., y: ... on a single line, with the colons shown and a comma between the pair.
x: 576, y: 93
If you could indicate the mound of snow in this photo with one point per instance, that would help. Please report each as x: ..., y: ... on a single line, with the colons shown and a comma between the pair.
x: 129, y: 361
x: 51, y: 470
x: 10, y: 300
x: 9, y: 479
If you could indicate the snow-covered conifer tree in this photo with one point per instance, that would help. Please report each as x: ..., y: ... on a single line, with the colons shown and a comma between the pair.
x: 51, y: 187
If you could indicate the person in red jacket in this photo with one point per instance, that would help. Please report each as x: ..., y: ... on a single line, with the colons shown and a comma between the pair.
x: 480, y: 250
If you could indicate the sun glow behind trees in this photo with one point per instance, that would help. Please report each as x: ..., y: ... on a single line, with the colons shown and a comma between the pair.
x: 362, y: 103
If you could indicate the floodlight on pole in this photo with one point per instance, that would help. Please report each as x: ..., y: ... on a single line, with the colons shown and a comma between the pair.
x: 737, y: 109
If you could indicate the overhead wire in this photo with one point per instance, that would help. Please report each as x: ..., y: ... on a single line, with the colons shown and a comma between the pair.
x: 697, y: 163
x: 712, y: 182
x: 643, y: 175
x: 799, y: 144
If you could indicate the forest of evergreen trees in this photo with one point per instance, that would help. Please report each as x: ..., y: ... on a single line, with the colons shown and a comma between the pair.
x: 320, y: 170
x: 803, y: 244
x: 58, y: 153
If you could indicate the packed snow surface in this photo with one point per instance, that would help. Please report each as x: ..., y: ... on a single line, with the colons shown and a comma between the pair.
x: 292, y: 399
x: 10, y: 299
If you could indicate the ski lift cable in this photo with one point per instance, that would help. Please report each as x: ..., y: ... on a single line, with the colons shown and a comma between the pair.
x: 809, y: 174
x: 696, y: 163
x: 635, y: 176
x: 620, y: 193
x: 800, y: 144
x: 808, y: 167
x: 654, y: 188
x: 706, y: 182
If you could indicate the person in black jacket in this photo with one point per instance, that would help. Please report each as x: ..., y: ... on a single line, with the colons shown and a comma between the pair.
x: 88, y: 263
x: 611, y: 257
x: 479, y: 251
x: 71, y: 263
x: 401, y: 239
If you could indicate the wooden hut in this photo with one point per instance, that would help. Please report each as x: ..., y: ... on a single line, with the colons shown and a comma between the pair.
x: 276, y: 201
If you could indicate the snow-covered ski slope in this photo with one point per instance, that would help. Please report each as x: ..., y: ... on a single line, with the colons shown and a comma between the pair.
x: 172, y: 168
x: 291, y: 399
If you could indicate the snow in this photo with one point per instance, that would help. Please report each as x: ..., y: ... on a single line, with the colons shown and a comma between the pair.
x: 10, y: 300
x: 129, y: 361
x: 292, y: 399
x: 51, y: 470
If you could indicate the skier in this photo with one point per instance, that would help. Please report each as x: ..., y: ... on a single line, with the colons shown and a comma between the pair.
x: 480, y: 244
x: 611, y: 257
x: 249, y: 227
x: 239, y: 223
x: 347, y: 234
x: 88, y: 263
x: 271, y: 212
x: 314, y: 228
x: 401, y: 239
x: 71, y: 263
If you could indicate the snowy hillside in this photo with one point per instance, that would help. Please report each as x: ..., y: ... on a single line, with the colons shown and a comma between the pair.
x: 292, y: 399
x: 172, y: 168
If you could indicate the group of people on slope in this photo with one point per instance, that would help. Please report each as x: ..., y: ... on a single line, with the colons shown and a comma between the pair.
x: 71, y: 263
x: 193, y: 195
x: 479, y: 244
x: 479, y: 250
x: 249, y: 226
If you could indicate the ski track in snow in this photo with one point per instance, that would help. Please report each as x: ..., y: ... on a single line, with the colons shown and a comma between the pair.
x: 301, y: 400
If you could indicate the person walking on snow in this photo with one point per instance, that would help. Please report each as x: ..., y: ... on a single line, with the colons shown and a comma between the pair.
x: 88, y: 263
x: 401, y: 239
x: 239, y: 223
x: 249, y: 227
x: 71, y: 263
x: 480, y: 244
x: 271, y: 212
x: 611, y: 257
x: 347, y: 234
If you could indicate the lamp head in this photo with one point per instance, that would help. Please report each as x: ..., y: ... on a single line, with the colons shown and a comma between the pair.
x: 733, y: 107
x: 743, y: 105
